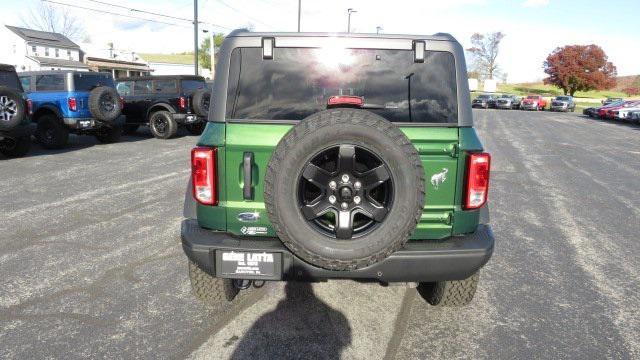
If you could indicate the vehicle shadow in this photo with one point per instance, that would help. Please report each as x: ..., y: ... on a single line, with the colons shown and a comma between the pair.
x: 81, y: 142
x: 628, y: 124
x: 301, y: 327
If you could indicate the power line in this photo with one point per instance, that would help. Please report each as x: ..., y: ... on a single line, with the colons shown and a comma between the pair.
x: 113, y: 13
x: 241, y: 12
x: 157, y: 14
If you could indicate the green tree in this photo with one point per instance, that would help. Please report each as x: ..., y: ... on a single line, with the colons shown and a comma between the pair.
x: 204, y: 54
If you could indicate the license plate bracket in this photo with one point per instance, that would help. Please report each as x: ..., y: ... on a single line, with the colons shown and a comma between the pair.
x: 234, y: 264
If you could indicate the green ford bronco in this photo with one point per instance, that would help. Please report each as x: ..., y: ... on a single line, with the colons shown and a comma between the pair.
x: 338, y: 156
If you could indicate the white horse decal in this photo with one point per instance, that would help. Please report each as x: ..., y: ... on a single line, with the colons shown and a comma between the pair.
x: 439, y: 178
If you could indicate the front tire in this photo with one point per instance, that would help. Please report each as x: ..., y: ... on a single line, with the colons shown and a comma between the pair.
x: 450, y: 293
x: 162, y: 125
x: 51, y: 133
x: 210, y: 290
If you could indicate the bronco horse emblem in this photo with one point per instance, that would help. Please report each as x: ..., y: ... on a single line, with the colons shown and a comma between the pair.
x: 439, y: 178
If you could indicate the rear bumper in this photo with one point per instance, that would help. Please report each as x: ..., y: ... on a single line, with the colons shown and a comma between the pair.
x: 187, y: 118
x: 455, y: 258
x: 90, y: 123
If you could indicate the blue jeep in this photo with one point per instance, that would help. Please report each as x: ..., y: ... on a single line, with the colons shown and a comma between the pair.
x: 83, y: 103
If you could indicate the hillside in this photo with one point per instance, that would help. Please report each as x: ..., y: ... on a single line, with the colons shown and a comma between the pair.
x: 185, y: 58
x: 548, y: 90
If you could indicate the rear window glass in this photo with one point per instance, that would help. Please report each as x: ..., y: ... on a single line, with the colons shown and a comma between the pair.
x: 26, y: 82
x: 189, y: 86
x: 125, y: 88
x: 9, y: 79
x: 298, y: 82
x: 88, y: 81
x: 165, y: 86
x: 142, y: 87
x: 50, y: 82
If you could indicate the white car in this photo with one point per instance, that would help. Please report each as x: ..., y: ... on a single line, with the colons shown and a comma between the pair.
x: 625, y: 113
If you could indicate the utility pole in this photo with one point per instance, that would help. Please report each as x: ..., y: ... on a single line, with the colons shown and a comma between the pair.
x: 349, y: 12
x: 195, y: 34
x: 299, y: 13
x: 212, y: 47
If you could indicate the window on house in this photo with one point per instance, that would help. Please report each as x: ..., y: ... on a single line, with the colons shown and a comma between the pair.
x: 46, y: 51
x: 34, y: 49
x: 69, y: 54
x: 57, y: 53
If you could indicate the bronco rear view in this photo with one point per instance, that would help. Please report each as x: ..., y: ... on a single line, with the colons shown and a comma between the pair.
x: 339, y: 156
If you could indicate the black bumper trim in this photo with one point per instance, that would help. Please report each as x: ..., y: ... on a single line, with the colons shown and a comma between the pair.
x: 455, y: 258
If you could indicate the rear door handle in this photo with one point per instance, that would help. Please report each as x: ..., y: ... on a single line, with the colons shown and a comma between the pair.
x: 247, y: 166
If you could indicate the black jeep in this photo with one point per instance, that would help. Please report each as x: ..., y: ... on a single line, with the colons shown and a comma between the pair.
x: 165, y: 102
x: 15, y: 134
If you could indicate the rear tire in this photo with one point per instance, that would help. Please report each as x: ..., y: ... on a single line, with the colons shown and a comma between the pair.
x: 201, y: 100
x: 450, y: 293
x: 210, y: 290
x: 51, y: 133
x: 162, y: 125
x: 18, y: 148
x: 104, y: 103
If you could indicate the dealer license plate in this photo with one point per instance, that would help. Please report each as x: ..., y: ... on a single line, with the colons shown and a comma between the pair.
x: 248, y: 263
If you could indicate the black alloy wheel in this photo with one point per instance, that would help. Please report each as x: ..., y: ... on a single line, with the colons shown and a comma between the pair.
x: 345, y: 191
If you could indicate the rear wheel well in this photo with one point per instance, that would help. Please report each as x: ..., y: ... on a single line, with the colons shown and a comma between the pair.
x: 159, y: 107
x: 44, y: 111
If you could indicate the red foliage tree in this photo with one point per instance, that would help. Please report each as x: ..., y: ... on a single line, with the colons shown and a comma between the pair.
x: 579, y: 68
x: 631, y: 91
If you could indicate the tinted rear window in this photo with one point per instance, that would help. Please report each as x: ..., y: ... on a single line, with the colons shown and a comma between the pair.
x: 50, y: 82
x: 189, y: 86
x: 165, y: 86
x: 10, y: 80
x: 298, y: 83
x: 88, y: 81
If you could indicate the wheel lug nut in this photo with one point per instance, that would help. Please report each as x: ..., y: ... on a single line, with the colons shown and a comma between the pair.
x: 332, y: 199
x: 344, y: 205
x: 345, y: 178
x: 356, y: 199
x: 357, y: 185
x: 332, y: 185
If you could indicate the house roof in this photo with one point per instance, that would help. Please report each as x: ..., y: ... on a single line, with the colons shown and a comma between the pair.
x: 95, y: 62
x: 58, y: 62
x: 43, y: 37
x: 185, y: 59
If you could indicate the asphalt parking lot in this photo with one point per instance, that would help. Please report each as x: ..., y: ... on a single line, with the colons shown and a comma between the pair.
x: 92, y: 265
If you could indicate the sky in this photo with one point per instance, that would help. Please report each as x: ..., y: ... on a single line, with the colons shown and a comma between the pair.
x: 533, y: 28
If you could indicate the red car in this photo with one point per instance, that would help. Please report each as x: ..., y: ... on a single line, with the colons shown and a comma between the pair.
x: 533, y: 102
x: 610, y: 112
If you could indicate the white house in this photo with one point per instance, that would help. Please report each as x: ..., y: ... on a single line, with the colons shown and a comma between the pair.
x: 30, y: 50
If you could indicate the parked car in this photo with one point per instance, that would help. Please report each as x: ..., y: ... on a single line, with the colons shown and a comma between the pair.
x: 296, y: 181
x: 624, y: 114
x: 533, y: 102
x: 482, y: 101
x: 78, y: 102
x: 15, y: 132
x: 164, y: 103
x: 507, y: 101
x: 610, y: 111
x: 608, y: 101
x: 563, y: 103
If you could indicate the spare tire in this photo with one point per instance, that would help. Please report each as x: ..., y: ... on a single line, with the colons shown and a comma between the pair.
x: 104, y: 103
x: 344, y: 189
x: 201, y: 99
x: 12, y: 110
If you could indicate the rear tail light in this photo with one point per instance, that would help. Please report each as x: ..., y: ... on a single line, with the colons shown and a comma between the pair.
x: 477, y: 180
x: 30, y: 107
x: 345, y: 100
x: 183, y: 102
x: 204, y: 175
x: 73, y: 104
x: 121, y: 102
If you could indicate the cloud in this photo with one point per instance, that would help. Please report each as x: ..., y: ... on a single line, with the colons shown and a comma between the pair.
x: 535, y: 3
